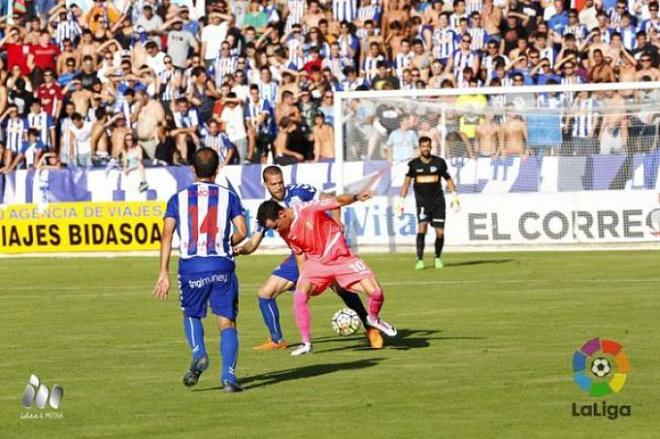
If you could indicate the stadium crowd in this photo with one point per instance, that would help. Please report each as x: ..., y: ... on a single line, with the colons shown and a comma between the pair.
x: 124, y: 82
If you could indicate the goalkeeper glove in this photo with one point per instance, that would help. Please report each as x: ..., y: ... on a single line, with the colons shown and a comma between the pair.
x: 398, y: 206
x: 455, y: 202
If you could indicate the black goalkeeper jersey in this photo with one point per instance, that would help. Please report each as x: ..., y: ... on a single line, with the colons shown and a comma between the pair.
x: 428, y: 178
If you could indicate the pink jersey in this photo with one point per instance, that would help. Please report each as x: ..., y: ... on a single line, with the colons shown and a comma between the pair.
x: 315, y: 233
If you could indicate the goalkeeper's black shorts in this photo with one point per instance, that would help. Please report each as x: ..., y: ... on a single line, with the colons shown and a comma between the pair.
x: 433, y: 212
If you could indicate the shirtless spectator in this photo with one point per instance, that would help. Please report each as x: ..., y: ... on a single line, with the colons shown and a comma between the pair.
x: 150, y: 116
x: 81, y: 97
x: 119, y: 131
x: 514, y: 137
x: 614, y: 131
x: 647, y: 69
x: 600, y: 70
x: 488, y: 136
x: 324, y: 140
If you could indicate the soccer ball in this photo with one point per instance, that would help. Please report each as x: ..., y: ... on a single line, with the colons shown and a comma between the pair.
x: 346, y: 322
x: 600, y: 367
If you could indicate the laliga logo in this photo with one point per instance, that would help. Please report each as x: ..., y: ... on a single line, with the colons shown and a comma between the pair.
x: 600, y: 368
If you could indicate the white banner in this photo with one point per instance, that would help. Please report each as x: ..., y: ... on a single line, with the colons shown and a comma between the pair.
x: 496, y: 221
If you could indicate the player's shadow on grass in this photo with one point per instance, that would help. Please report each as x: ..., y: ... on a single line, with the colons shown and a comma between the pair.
x: 297, y: 373
x: 478, y: 262
x: 405, y: 340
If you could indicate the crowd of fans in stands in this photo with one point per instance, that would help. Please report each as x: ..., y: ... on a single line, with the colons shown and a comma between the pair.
x: 120, y: 82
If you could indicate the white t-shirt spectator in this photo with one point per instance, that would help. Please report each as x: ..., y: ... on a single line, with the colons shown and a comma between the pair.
x: 213, y: 36
x: 234, y: 120
x: 156, y: 62
x: 83, y: 138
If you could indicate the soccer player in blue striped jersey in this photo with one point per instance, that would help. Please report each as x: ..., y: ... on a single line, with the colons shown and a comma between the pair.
x: 202, y: 215
x: 285, y: 276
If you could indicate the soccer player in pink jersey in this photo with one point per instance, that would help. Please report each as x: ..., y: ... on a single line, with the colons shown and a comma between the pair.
x: 309, y: 231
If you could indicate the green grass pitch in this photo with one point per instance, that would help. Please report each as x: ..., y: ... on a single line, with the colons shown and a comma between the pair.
x: 484, y: 351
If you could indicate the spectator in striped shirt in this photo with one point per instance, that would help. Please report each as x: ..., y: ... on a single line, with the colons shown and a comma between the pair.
x: 14, y: 133
x: 30, y: 152
x: 187, y: 124
x: 42, y: 122
x: 213, y: 137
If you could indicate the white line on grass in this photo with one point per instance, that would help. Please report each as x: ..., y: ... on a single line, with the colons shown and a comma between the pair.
x: 147, y: 287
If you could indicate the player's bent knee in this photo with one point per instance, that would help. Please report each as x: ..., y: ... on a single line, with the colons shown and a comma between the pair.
x: 225, y: 323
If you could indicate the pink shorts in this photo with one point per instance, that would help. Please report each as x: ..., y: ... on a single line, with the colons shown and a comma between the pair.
x: 346, y: 271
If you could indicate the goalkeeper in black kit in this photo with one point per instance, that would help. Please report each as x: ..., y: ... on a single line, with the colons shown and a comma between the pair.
x: 428, y: 171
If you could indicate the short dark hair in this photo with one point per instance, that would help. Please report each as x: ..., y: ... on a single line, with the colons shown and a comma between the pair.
x: 76, y: 116
x: 270, y: 170
x: 205, y: 162
x: 424, y: 139
x: 268, y: 210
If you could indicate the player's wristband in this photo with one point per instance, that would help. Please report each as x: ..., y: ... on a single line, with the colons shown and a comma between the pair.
x: 355, y: 198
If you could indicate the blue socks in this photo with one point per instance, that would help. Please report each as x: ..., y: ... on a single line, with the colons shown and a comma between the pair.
x: 229, y: 353
x: 195, y: 335
x: 271, y: 315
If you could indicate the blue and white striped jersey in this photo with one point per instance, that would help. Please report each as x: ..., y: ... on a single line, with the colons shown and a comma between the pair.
x: 220, y: 142
x: 445, y: 42
x: 269, y: 91
x: 68, y: 28
x: 479, y: 38
x: 186, y: 120
x: 344, y: 10
x: 628, y: 36
x: 43, y: 123
x: 299, y: 193
x: 14, y: 131
x: 221, y: 67
x: 585, y: 118
x: 204, y: 214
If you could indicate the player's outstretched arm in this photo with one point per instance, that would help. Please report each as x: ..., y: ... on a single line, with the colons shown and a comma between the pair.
x: 346, y: 199
x: 163, y: 284
x: 251, y: 245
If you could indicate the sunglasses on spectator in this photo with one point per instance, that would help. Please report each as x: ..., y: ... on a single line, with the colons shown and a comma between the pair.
x: 646, y: 59
x: 328, y: 96
x: 70, y: 64
x: 467, y: 41
x: 517, y: 80
x: 621, y: 7
x: 48, y: 75
x: 168, y: 61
